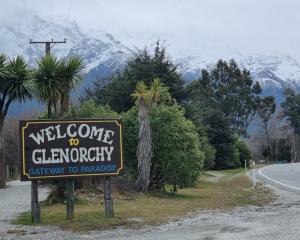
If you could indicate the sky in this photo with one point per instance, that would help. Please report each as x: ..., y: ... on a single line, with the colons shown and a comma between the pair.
x: 187, y: 26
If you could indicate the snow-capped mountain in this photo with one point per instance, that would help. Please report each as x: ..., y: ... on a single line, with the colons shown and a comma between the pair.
x: 104, y: 54
x: 280, y: 71
x: 99, y: 50
x: 271, y: 71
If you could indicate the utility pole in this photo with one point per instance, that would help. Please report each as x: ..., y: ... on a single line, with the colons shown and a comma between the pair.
x: 35, y: 206
x: 48, y: 44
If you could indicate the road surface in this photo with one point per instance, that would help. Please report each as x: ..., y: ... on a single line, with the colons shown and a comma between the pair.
x: 285, y: 176
x: 276, y: 221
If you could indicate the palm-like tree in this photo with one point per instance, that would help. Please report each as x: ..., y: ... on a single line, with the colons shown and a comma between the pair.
x: 54, y: 80
x: 146, y: 98
x: 14, y: 86
x: 48, y: 81
x: 72, y: 77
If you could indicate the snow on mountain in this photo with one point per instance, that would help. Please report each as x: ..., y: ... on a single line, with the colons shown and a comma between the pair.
x: 281, y: 71
x: 97, y: 48
x: 103, y: 53
x: 271, y: 71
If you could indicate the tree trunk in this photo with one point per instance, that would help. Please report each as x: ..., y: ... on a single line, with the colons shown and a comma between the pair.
x: 294, y: 157
x: 268, y: 142
x: 144, y: 149
x: 174, y: 188
x: 61, y: 105
x: 270, y: 149
x: 64, y: 104
x: 2, y: 159
x: 276, y: 148
x: 49, y: 109
x: 55, y: 108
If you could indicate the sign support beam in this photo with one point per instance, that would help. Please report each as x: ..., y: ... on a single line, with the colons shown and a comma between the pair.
x: 70, y: 198
x: 35, y: 206
x: 108, y: 201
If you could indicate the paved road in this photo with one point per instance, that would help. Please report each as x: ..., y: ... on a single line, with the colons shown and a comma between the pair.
x: 286, y: 176
x: 276, y: 221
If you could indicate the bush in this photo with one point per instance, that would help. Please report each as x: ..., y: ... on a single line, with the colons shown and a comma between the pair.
x: 89, y: 109
x: 244, y: 152
x: 131, y: 129
x: 177, y: 158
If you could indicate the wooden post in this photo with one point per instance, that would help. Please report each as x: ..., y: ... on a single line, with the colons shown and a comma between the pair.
x: 108, y: 202
x: 70, y: 198
x: 35, y: 207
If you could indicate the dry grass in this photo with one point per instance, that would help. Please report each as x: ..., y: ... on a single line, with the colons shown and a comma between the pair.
x: 232, y: 190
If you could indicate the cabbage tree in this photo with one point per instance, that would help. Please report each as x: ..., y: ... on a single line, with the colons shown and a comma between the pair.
x: 14, y: 87
x: 146, y: 97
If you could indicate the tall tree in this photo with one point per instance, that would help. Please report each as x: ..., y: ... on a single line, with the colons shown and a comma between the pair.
x: 199, y: 105
x: 48, y: 82
x: 221, y: 104
x: 145, y: 66
x: 232, y: 90
x: 14, y: 86
x: 146, y: 98
x: 266, y: 108
x: 222, y: 137
x: 200, y: 101
x: 72, y: 75
x: 291, y: 109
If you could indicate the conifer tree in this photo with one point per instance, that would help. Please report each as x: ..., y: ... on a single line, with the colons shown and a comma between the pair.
x: 145, y: 66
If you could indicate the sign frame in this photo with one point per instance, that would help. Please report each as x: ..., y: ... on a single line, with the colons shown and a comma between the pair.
x: 24, y: 124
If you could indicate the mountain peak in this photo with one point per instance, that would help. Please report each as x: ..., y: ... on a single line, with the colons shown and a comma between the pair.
x: 103, y: 53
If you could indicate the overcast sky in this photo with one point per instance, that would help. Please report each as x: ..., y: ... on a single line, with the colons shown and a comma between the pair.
x: 247, y: 26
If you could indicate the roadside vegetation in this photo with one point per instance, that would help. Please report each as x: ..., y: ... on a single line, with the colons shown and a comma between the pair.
x: 216, y: 190
x: 174, y: 131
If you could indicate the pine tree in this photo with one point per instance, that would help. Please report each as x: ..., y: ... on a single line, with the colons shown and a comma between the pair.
x: 145, y: 66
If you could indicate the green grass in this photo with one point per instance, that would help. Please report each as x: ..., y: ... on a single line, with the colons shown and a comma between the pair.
x: 232, y: 190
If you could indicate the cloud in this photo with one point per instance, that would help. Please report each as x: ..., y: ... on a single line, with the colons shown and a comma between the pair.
x: 246, y: 25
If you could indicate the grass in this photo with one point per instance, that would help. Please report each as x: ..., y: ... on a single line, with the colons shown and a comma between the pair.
x: 232, y: 190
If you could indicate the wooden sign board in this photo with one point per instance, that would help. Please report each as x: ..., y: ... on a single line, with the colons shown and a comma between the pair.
x: 53, y: 149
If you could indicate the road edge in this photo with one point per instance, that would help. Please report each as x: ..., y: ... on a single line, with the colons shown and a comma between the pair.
x: 267, y: 179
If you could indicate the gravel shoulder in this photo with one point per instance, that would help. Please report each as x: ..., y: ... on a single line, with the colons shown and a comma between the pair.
x: 278, y: 220
x: 13, y: 200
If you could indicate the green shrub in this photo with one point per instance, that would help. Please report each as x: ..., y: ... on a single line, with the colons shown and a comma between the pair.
x: 177, y: 158
x: 89, y: 109
x: 244, y: 152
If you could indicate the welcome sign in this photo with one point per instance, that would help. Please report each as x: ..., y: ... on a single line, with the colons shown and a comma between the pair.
x: 70, y: 148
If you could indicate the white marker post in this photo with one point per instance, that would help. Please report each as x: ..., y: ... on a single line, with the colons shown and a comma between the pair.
x: 254, y: 175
